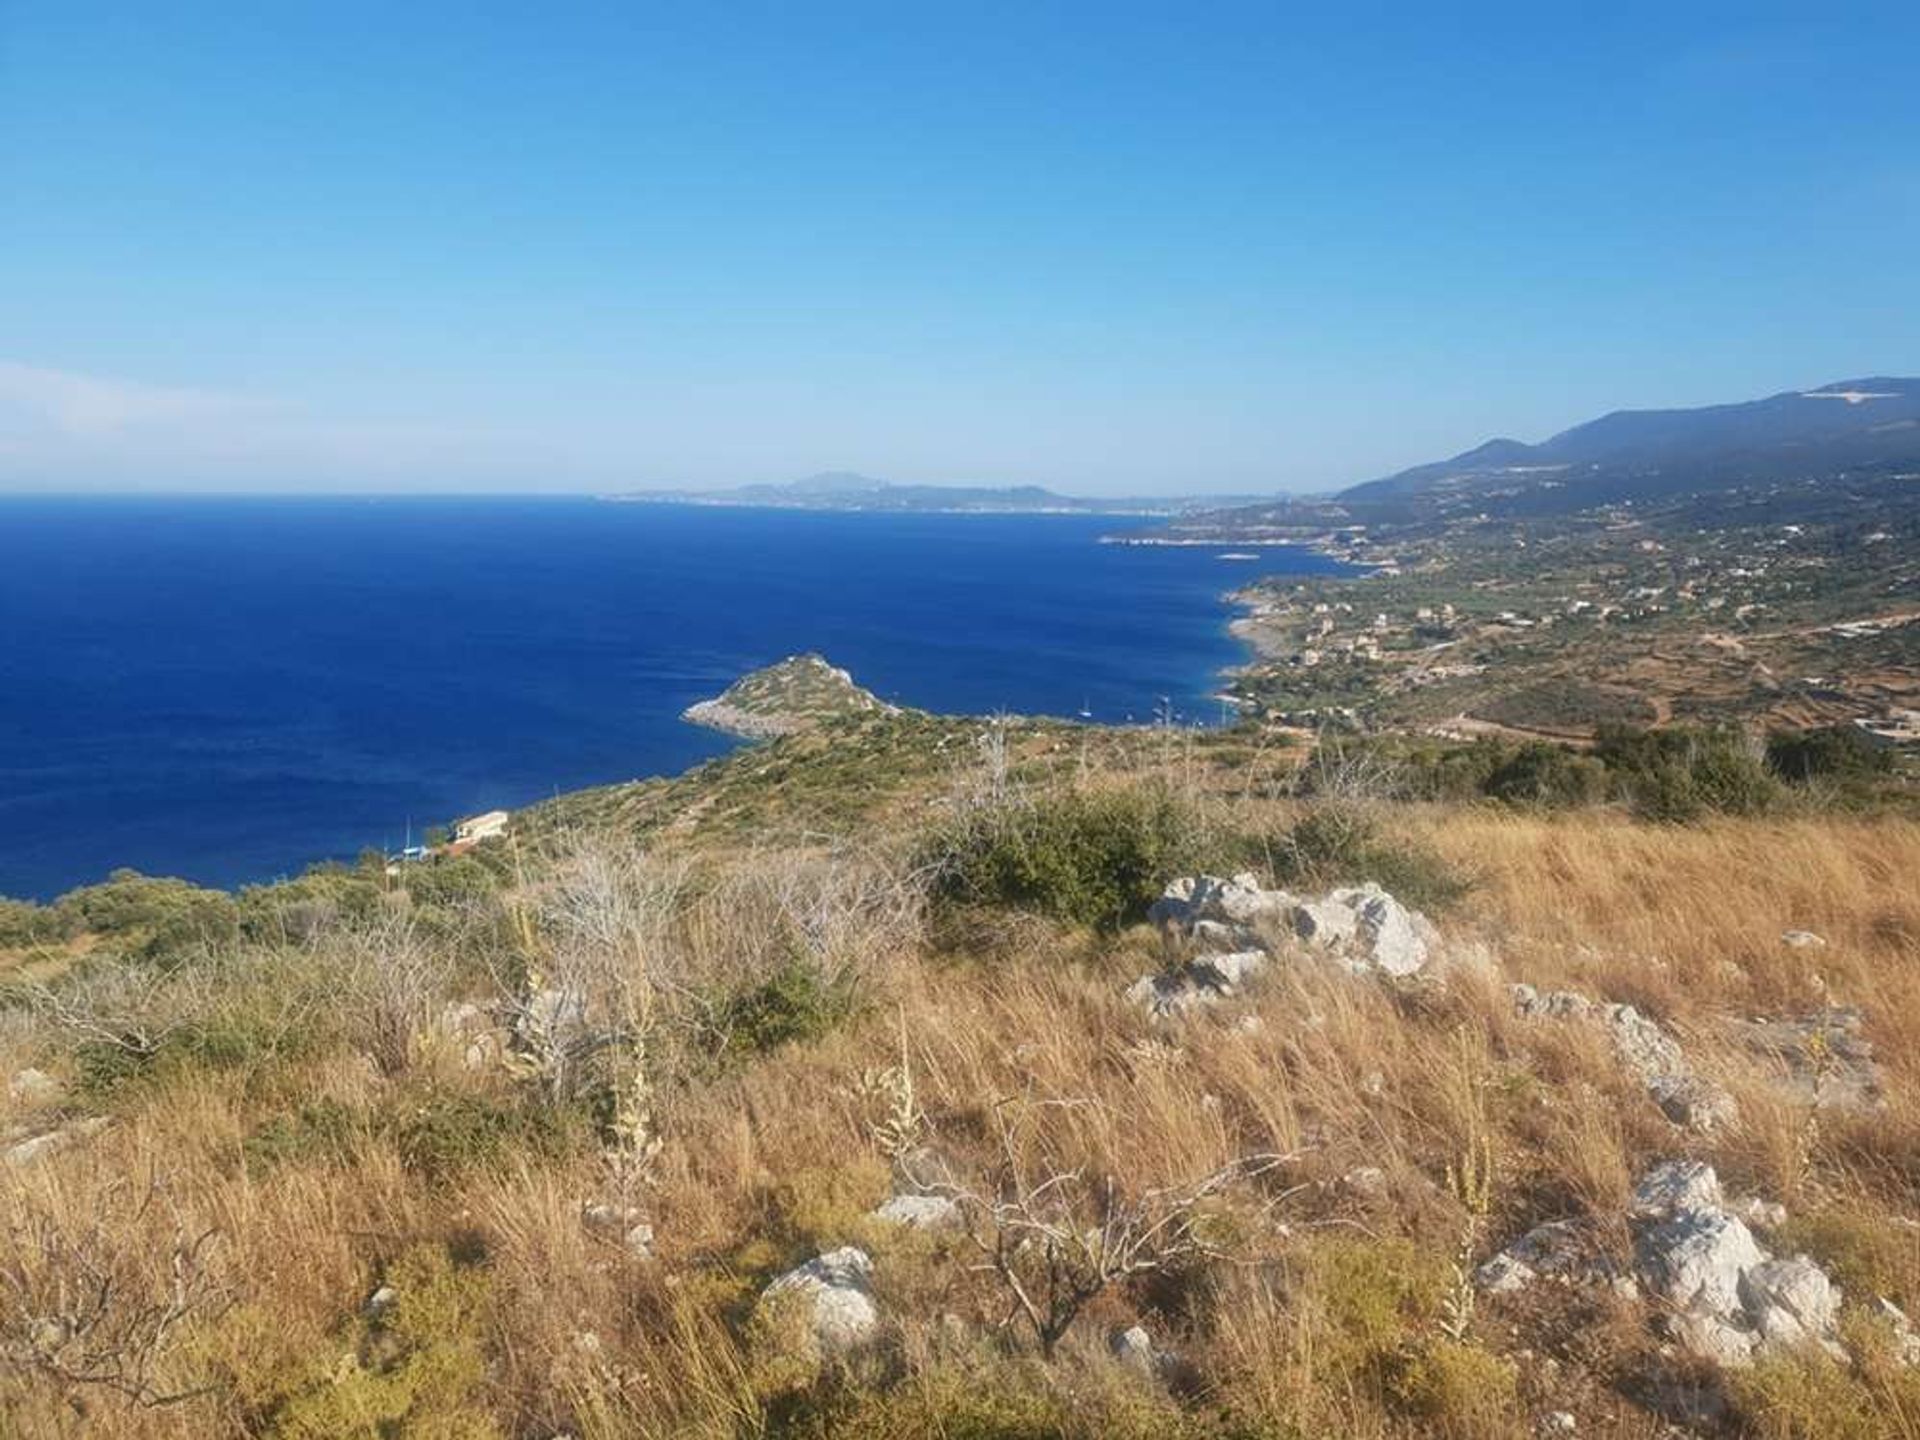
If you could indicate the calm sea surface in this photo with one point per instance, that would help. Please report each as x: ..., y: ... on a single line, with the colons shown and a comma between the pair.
x: 230, y: 689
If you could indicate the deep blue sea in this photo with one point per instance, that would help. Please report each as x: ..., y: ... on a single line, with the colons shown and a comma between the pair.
x: 231, y: 689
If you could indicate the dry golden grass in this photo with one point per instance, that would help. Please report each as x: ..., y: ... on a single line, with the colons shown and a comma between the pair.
x: 1320, y: 1315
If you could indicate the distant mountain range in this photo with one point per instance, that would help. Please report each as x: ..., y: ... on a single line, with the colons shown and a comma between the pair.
x: 1647, y: 453
x: 844, y: 490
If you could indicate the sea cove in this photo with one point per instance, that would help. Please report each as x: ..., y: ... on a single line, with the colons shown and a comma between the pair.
x: 230, y: 689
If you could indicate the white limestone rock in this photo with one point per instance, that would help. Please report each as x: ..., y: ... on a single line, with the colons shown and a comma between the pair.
x: 1696, y: 1259
x: 1674, y: 1186
x: 31, y: 1087
x: 1791, y: 1302
x: 834, y: 1289
x: 919, y: 1212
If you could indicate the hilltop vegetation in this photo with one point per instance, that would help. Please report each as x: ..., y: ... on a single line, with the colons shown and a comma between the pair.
x: 517, y: 1143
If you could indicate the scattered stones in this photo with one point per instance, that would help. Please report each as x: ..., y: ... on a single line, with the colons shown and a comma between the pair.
x: 920, y: 1212
x: 1562, y: 1250
x: 834, y: 1290
x: 32, y: 1087
x: 1369, y: 1181
x: 1803, y: 940
x: 1559, y: 1422
x: 1653, y: 1055
x: 625, y: 1224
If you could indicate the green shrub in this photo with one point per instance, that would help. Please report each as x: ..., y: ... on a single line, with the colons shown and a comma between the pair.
x: 1807, y: 1396
x: 417, y: 1370
x: 448, y: 884
x: 161, y: 920
x: 1340, y: 844
x: 24, y: 923
x: 1096, y: 858
x: 448, y: 1133
x: 318, y: 1130
x: 796, y: 1003
x: 1684, y: 772
x: 1538, y: 773
x: 1835, y: 752
x: 294, y: 911
x: 1456, y: 1388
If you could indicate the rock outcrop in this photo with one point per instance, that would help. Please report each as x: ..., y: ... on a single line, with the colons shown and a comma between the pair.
x: 1823, y: 1059
x: 1647, y: 1050
x: 1728, y: 1298
x: 1232, y: 927
x: 798, y: 693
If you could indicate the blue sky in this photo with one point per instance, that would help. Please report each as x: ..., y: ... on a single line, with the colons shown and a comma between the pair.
x: 1108, y: 248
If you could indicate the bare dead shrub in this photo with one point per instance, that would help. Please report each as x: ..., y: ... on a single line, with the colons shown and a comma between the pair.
x: 92, y: 1315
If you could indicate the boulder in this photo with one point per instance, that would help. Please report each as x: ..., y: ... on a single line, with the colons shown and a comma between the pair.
x: 1823, y: 1060
x: 1134, y: 1349
x: 919, y: 1212
x: 833, y: 1290
x: 1363, y: 925
x: 32, y: 1087
x: 37, y: 1147
x: 1210, y: 936
x: 1713, y: 1337
x: 1329, y: 922
x: 1226, y: 973
x: 1388, y: 937
x: 1239, y: 901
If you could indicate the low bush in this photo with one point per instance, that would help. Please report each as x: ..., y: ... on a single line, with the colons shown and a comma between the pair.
x: 1096, y: 858
x: 1456, y: 1388
x: 1341, y: 844
x: 318, y: 1130
x: 451, y: 1132
x: 1538, y: 773
x: 1685, y: 772
x: 796, y: 1003
x: 159, y: 920
x: 417, y: 1368
x: 1835, y: 752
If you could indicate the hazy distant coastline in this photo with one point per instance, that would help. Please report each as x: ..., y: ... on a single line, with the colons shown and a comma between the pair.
x: 841, y: 490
